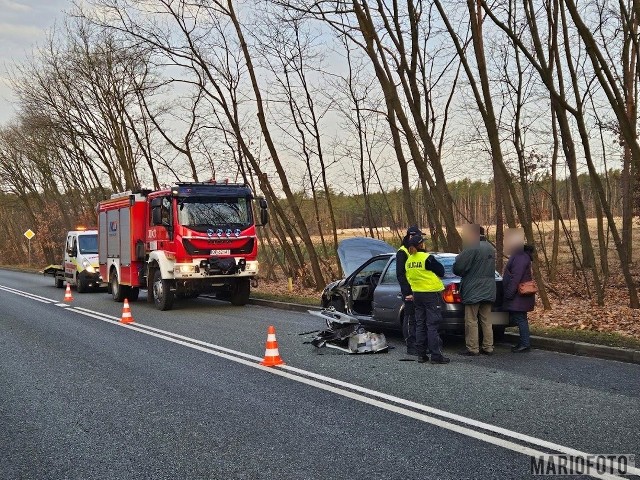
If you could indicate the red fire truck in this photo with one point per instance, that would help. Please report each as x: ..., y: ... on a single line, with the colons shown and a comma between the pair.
x: 186, y: 240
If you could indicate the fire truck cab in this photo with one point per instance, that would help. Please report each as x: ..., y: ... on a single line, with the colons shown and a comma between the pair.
x: 189, y: 239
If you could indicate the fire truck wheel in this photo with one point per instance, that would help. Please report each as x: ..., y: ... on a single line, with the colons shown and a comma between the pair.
x: 117, y: 290
x: 240, y: 294
x: 162, y: 294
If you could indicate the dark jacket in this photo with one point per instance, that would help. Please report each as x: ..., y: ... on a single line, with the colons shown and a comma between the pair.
x: 518, y: 270
x: 401, y: 273
x: 435, y: 266
x: 477, y: 267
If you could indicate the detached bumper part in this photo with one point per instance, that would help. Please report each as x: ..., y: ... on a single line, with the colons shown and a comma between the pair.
x: 346, y: 334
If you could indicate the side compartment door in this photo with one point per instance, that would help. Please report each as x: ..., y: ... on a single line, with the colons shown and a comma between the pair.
x: 387, y: 298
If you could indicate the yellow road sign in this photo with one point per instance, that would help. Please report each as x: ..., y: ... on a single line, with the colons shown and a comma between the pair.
x: 29, y: 234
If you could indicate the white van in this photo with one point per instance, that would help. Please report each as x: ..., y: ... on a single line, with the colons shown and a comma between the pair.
x: 80, y: 262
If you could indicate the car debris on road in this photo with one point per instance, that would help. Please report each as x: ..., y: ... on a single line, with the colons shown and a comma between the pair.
x: 345, y: 333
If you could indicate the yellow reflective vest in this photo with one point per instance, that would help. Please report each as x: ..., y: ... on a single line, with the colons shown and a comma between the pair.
x: 421, y: 279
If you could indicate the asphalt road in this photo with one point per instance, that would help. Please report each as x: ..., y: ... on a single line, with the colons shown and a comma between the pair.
x: 179, y: 395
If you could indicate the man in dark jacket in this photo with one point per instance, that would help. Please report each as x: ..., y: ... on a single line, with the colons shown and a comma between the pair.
x: 409, y: 323
x: 476, y: 265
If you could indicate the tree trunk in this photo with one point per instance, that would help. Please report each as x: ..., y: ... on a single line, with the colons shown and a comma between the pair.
x: 306, y: 238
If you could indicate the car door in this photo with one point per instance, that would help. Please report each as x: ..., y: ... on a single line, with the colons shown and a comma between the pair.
x: 70, y: 252
x: 387, y: 297
x: 362, y: 282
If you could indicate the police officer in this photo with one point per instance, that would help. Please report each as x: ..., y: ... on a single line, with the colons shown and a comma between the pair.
x: 423, y: 273
x: 409, y: 323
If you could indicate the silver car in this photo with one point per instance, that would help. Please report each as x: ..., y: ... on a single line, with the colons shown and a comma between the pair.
x: 370, y: 291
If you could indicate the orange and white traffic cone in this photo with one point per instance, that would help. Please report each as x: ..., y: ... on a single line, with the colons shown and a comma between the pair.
x: 271, y: 354
x: 126, y: 313
x: 67, y: 294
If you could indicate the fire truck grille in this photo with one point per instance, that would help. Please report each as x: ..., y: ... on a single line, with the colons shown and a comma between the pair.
x: 191, y: 249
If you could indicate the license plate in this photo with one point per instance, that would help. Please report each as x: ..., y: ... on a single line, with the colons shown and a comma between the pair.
x: 220, y: 252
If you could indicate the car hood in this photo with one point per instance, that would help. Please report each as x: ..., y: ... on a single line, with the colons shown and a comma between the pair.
x: 353, y: 252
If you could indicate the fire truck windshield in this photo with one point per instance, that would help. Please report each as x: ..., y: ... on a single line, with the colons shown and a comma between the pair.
x: 88, y: 244
x: 201, y: 213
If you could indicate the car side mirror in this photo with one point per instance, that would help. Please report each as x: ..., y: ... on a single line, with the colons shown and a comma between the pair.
x: 264, y: 212
x: 264, y: 216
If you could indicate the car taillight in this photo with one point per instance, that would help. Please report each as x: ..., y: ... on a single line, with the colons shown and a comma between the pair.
x: 451, y: 294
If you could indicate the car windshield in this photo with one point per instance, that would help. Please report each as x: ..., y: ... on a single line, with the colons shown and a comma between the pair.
x: 88, y: 244
x: 377, y: 266
x: 206, y: 212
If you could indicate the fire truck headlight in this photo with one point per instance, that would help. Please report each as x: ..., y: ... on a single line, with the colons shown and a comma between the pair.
x: 252, y: 267
x: 184, y: 269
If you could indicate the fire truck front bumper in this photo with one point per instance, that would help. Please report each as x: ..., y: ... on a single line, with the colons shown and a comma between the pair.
x: 215, y: 267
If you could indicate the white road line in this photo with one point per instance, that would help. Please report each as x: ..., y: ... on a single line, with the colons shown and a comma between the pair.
x: 407, y: 403
x: 376, y: 394
x: 191, y: 343
x: 62, y: 304
x: 33, y: 295
x: 26, y: 295
x: 331, y: 385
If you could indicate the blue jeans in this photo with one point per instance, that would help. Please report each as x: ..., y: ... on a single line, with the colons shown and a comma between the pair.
x: 520, y: 319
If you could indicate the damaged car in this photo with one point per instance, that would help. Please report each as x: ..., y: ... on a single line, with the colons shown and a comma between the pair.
x: 370, y: 291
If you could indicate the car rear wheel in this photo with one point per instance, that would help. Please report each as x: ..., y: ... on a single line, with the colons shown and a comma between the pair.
x: 59, y: 282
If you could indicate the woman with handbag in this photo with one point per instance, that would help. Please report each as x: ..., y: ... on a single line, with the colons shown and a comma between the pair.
x: 519, y: 288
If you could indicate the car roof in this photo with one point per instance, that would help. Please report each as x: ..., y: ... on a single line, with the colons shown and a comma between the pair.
x: 444, y: 254
x: 435, y: 254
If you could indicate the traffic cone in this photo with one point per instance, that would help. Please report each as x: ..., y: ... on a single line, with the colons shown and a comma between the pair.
x: 271, y: 354
x: 126, y: 313
x: 67, y: 294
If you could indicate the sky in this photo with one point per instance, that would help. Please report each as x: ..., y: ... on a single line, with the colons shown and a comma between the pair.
x: 23, y: 23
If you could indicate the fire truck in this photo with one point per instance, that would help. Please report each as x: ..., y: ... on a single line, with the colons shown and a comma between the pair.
x: 180, y: 242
